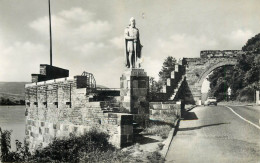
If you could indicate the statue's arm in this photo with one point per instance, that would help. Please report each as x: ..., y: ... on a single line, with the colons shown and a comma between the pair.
x: 127, y: 37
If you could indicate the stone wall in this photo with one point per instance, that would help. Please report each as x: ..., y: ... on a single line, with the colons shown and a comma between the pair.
x: 220, y: 53
x: 168, y: 112
x: 58, y: 108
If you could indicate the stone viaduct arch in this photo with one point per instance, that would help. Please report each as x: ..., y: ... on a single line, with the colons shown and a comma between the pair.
x: 215, y: 66
x: 197, y: 69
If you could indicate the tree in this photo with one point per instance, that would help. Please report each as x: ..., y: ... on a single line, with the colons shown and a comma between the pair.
x: 242, y: 78
x: 167, y: 68
x: 155, y: 86
x: 220, y: 80
x: 253, y: 44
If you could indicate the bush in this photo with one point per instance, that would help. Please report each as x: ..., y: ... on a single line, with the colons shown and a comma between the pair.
x: 72, y: 148
x: 21, y: 153
x: 93, y: 146
x: 246, y: 94
x: 5, y: 143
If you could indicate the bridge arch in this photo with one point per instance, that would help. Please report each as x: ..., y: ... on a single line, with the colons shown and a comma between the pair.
x: 197, y: 69
x: 213, y: 67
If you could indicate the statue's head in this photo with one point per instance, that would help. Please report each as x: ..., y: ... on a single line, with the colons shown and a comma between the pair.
x: 132, y: 22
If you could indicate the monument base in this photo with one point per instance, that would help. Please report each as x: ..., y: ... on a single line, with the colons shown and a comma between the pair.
x: 134, y: 88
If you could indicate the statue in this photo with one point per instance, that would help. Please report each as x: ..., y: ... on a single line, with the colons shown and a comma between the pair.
x: 133, y: 46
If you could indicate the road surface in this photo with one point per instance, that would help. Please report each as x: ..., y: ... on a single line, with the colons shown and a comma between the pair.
x: 217, y: 134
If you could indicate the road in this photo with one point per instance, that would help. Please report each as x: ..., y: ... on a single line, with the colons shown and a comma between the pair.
x: 217, y: 134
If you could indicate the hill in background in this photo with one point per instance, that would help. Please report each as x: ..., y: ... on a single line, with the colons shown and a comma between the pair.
x: 13, y: 88
x: 12, y: 93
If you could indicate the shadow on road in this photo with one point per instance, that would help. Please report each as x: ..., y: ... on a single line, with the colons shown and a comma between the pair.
x: 199, y: 127
x: 189, y: 116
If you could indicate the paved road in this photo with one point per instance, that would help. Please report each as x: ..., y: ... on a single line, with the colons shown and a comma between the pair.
x: 216, y: 134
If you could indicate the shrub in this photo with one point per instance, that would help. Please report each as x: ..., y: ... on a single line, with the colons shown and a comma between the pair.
x: 5, y: 143
x: 70, y: 149
x: 21, y: 154
x: 93, y: 146
x: 246, y: 94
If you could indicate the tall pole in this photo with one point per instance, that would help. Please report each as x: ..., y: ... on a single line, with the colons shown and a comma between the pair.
x: 50, y: 34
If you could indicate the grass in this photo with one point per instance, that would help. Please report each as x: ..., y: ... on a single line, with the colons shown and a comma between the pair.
x: 154, y: 128
x: 155, y: 157
x: 162, y: 123
x: 167, y: 116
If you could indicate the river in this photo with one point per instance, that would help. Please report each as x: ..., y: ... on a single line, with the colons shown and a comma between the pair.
x: 13, y: 118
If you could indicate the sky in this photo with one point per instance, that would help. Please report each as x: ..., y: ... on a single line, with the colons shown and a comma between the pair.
x: 88, y: 35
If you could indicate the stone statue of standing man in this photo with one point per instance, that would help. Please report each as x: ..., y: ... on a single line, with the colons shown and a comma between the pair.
x: 133, y: 46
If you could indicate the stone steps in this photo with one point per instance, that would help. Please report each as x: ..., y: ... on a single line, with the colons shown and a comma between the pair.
x: 177, y: 89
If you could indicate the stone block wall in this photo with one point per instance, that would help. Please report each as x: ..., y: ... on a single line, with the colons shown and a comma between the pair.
x: 220, y: 53
x: 168, y: 112
x: 58, y: 108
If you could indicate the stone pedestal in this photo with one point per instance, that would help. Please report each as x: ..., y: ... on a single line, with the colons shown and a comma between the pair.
x: 134, y: 88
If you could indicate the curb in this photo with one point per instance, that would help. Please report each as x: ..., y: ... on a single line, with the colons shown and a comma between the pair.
x: 245, y: 104
x: 191, y: 108
x: 168, y: 141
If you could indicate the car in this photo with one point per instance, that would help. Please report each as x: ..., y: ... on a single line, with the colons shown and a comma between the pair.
x: 211, y: 101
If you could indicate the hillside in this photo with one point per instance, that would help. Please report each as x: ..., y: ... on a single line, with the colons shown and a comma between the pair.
x: 12, y: 93
x: 13, y: 88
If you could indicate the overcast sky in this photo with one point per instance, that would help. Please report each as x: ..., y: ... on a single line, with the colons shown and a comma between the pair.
x: 88, y: 35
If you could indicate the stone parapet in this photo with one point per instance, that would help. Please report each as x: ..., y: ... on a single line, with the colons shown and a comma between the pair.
x: 220, y: 53
x: 60, y: 107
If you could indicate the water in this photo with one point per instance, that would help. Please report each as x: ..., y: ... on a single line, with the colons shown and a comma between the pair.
x: 13, y: 118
